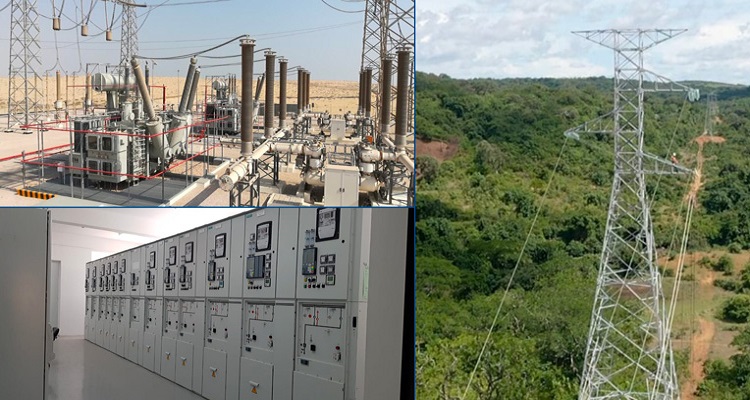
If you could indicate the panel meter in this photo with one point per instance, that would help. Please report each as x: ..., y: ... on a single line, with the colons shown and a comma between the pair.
x: 219, y: 260
x: 324, y: 262
x: 309, y: 259
x: 189, y: 252
x: 220, y: 245
x: 150, y: 273
x: 187, y: 261
x: 327, y: 224
x: 263, y: 237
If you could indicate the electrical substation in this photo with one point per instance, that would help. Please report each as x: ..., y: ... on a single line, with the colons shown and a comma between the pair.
x: 244, y: 142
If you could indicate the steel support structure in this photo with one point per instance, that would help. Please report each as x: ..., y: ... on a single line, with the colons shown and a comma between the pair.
x: 129, y: 36
x: 629, y: 352
x: 24, y: 97
x: 388, y: 26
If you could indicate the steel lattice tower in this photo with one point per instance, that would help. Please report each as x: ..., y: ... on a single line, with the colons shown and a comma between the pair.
x: 629, y: 353
x: 24, y: 97
x: 129, y: 36
x: 388, y: 26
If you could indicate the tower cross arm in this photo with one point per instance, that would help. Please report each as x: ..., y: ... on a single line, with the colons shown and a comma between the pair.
x: 629, y: 39
x: 655, y: 165
x: 653, y: 82
x: 601, y: 124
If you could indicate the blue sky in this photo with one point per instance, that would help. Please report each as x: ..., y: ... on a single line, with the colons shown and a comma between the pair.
x: 531, y: 38
x: 332, y: 52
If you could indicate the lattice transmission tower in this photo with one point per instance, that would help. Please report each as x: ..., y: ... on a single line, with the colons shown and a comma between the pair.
x: 24, y: 97
x: 388, y: 26
x: 712, y: 112
x: 629, y: 352
x: 129, y: 35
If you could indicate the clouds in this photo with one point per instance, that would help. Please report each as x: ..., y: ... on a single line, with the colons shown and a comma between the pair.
x: 531, y: 38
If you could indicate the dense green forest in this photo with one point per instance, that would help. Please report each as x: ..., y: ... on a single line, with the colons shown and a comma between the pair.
x: 475, y: 208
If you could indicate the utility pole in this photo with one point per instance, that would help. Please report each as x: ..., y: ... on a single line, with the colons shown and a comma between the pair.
x: 629, y: 352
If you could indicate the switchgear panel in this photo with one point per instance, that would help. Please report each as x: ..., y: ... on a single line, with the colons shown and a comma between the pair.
x: 171, y: 318
x: 134, y: 271
x: 153, y: 257
x: 187, y: 258
x: 221, y: 354
x: 123, y: 326
x: 321, y: 349
x: 325, y: 238
x: 152, y: 335
x: 170, y: 266
x: 261, y: 306
x: 171, y: 325
x: 267, y: 350
x: 190, y: 344
x: 261, y: 242
x: 135, y: 330
x: 219, y: 259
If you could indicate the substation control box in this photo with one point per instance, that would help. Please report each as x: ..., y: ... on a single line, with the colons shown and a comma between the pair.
x: 272, y: 304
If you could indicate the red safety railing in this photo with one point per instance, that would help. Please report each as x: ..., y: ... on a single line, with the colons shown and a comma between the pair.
x: 41, y: 154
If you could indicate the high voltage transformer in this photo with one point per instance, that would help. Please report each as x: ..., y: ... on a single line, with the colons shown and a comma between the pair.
x: 274, y: 304
x: 131, y: 139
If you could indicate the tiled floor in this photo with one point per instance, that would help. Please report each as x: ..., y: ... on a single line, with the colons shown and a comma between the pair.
x: 84, y: 371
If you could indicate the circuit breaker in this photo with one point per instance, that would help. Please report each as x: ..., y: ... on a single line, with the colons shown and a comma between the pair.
x: 87, y: 318
x: 321, y: 346
x: 92, y: 277
x: 153, y: 258
x: 107, y: 322
x: 325, y: 240
x: 219, y: 259
x: 267, y: 351
x: 170, y: 266
x: 221, y: 352
x: 135, y: 330
x: 260, y: 256
x: 152, y: 322
x: 123, y: 318
x: 123, y: 281
x: 100, y: 319
x: 187, y: 259
x: 134, y: 271
x: 190, y: 344
x: 170, y: 333
x: 114, y: 312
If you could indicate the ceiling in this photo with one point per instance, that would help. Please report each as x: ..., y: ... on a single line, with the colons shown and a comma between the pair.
x: 123, y: 228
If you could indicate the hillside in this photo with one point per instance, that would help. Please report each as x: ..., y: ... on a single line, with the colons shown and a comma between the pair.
x: 487, y: 150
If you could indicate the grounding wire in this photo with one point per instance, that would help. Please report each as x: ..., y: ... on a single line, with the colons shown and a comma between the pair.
x: 515, y: 269
x: 197, y: 53
x: 340, y: 10
x: 234, y: 56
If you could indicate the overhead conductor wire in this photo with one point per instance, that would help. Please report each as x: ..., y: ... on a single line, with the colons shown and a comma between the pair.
x: 515, y: 269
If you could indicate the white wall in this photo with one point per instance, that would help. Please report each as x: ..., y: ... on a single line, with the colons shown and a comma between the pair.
x: 72, y: 294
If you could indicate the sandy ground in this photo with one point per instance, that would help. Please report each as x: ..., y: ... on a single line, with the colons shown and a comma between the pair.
x: 336, y: 97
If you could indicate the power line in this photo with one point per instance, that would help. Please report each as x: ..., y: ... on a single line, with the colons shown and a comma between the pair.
x: 340, y: 10
x: 195, y: 53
